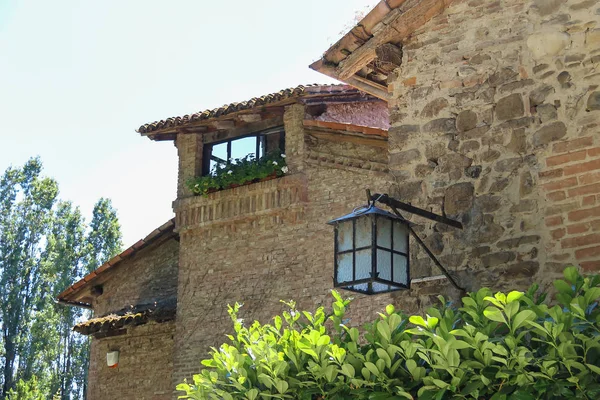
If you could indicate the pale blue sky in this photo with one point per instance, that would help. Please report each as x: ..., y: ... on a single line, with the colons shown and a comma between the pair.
x: 78, y: 77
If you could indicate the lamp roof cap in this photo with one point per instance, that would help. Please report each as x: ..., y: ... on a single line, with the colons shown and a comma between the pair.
x: 367, y: 210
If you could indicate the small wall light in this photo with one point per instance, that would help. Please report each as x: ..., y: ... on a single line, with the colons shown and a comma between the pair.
x: 112, y: 359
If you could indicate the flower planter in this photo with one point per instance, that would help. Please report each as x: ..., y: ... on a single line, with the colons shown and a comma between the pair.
x: 241, y: 172
x: 234, y: 185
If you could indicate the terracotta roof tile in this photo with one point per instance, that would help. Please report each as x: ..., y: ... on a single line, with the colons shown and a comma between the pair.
x: 160, y: 311
x: 298, y: 91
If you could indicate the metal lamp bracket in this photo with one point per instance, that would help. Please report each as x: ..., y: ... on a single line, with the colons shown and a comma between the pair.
x: 395, y: 204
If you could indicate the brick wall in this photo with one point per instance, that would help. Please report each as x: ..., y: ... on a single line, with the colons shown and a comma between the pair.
x: 495, y: 121
x: 146, y: 351
x: 149, y: 276
x: 268, y: 241
x: 145, y: 364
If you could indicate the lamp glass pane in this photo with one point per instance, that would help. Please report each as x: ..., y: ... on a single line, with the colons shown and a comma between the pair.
x: 344, y: 235
x: 384, y: 232
x: 363, y: 264
x: 344, y: 271
x: 364, y: 230
x: 362, y: 287
x: 400, y: 237
x: 400, y: 269
x: 380, y: 287
x: 384, y: 264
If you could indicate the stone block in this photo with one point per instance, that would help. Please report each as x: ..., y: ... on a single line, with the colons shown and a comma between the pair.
x: 549, y: 133
x: 518, y: 141
x: 527, y: 184
x: 404, y: 157
x: 435, y: 243
x: 408, y: 191
x: 499, y: 185
x: 593, y: 102
x: 518, y: 241
x: 440, y: 125
x: 453, y: 161
x: 510, y: 107
x: 458, y: 198
x: 547, y: 44
x: 473, y: 171
x: 539, y: 95
x: 508, y: 164
x: 466, y: 120
x: 546, y: 112
x: 494, y: 259
x: 488, y: 203
x: 433, y: 108
x: 433, y: 151
x: 505, y: 75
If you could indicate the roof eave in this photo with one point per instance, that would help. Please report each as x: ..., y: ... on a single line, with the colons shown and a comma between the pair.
x: 390, y: 22
x: 311, y: 94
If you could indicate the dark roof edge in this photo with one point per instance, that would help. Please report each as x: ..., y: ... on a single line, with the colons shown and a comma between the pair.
x: 65, y: 296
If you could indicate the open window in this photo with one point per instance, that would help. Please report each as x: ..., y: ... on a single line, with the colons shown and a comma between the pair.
x: 258, y: 144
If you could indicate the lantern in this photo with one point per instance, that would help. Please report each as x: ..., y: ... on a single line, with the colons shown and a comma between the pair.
x: 371, y: 251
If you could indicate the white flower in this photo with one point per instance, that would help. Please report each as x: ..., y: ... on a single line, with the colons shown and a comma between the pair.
x: 229, y: 172
x: 274, y: 162
x: 283, y: 156
x: 284, y: 169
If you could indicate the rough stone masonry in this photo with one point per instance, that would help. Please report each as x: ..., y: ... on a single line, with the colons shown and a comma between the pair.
x: 495, y: 119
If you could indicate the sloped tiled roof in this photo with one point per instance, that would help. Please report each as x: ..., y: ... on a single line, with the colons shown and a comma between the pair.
x: 166, y: 228
x: 160, y: 311
x: 268, y: 99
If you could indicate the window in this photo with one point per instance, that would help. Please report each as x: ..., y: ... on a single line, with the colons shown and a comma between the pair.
x: 257, y: 144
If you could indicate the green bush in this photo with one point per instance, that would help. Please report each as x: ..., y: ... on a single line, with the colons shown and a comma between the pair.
x: 502, y: 346
x: 240, y: 171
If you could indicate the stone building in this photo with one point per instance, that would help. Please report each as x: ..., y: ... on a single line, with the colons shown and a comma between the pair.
x: 494, y: 120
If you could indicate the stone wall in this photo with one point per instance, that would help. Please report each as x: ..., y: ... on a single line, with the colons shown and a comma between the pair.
x: 261, y: 243
x: 146, y: 351
x: 149, y: 276
x: 145, y: 364
x: 495, y: 121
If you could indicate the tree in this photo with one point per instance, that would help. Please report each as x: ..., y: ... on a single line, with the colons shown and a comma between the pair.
x: 105, y: 234
x: 45, y: 246
x: 104, y: 242
x: 25, y: 212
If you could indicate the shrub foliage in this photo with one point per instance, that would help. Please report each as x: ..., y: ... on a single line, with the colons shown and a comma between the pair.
x: 495, y: 346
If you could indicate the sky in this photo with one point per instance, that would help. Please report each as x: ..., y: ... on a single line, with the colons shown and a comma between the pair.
x: 77, y: 78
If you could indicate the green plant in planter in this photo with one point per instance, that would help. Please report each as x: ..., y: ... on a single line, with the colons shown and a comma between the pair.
x: 240, y: 171
x: 495, y: 346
